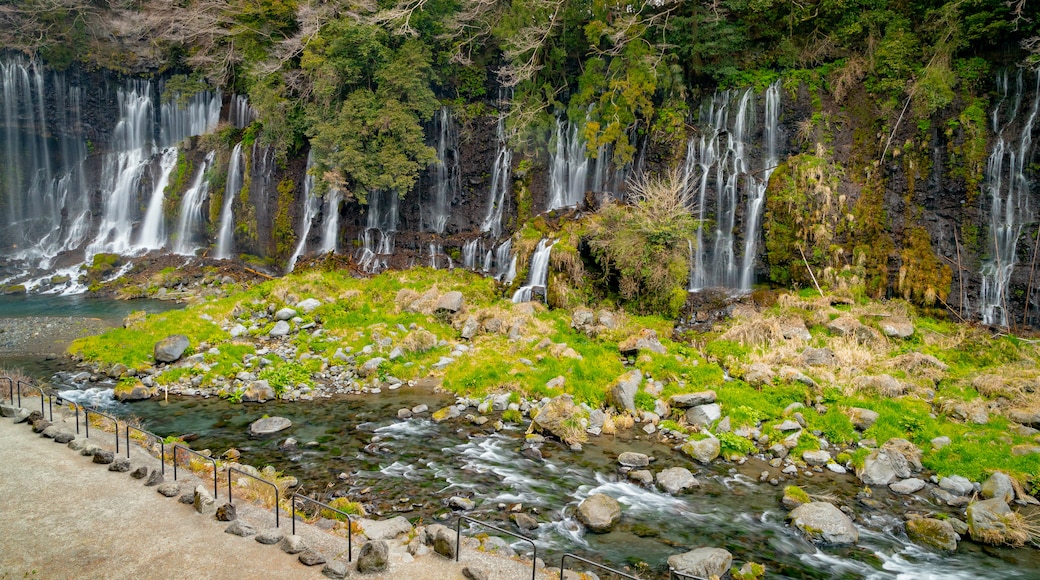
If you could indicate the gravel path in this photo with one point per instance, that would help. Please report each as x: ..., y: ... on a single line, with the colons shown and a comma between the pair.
x: 64, y: 517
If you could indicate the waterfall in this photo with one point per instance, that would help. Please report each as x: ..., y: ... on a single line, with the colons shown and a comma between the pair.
x: 438, y: 258
x: 311, y: 204
x: 569, y: 166
x: 377, y: 240
x: 330, y: 232
x: 1007, y: 189
x: 505, y: 263
x: 446, y: 185
x: 44, y: 199
x: 131, y: 153
x: 722, y: 157
x: 539, y: 275
x: 240, y: 113
x: 153, y: 229
x: 189, y: 220
x: 470, y: 251
x: 182, y: 118
x: 500, y: 182
x: 225, y: 236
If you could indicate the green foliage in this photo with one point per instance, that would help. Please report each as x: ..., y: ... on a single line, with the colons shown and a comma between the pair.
x: 732, y: 443
x: 285, y: 376
x: 644, y: 401
x: 833, y: 425
x: 134, y: 346
x: 512, y: 416
x: 284, y: 233
x: 922, y: 277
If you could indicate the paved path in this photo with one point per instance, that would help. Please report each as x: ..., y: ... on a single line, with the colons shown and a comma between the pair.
x: 61, y: 516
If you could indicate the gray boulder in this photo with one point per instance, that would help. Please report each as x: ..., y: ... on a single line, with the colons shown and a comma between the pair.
x: 309, y: 305
x: 450, y: 302
x: 203, y: 501
x: 120, y: 465
x: 632, y: 459
x: 240, y: 528
x: 862, y: 419
x: 269, y: 536
x: 999, y: 486
x: 704, y: 451
x: 599, y: 512
x: 935, y: 533
x: 284, y: 314
x: 292, y: 544
x: 907, y: 486
x: 676, y: 479
x: 374, y: 557
x: 442, y: 539
x: 385, y: 529
x: 688, y: 400
x: 957, y: 485
x: 470, y: 328
x: 988, y: 523
x: 311, y: 557
x: 817, y: 458
x: 703, y: 415
x: 268, y: 425
x: 816, y: 357
x: 169, y: 489
x: 623, y: 393
x: 170, y: 348
x: 281, y: 328
x: 702, y: 562
x: 524, y: 522
x: 897, y: 328
x: 336, y: 569
x: 104, y: 457
x: 822, y: 522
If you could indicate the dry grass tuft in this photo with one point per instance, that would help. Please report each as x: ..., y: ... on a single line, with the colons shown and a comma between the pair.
x: 624, y: 421
x: 756, y: 331
x: 420, y: 340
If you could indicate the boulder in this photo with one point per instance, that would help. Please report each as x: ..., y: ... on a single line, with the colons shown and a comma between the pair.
x: 932, y: 532
x: 862, y: 419
x: 633, y: 459
x: 622, y: 394
x: 689, y: 400
x: 524, y: 522
x: 104, y: 456
x: 309, y: 305
x: 227, y: 513
x: 818, y: 357
x: 385, y: 529
x: 759, y: 374
x: 676, y: 479
x: 557, y: 418
x: 269, y: 536
x: 258, y: 391
x: 1030, y: 417
x: 138, y: 392
x: 171, y: 348
x: 281, y: 328
x: 703, y: 450
x: 470, y: 328
x: 641, y: 476
x: 583, y: 320
x: 459, y: 503
x: 646, y: 340
x: 957, y: 485
x: 897, y: 327
x: 999, y: 486
x: 907, y: 486
x: 702, y: 562
x: 884, y: 385
x: 169, y: 489
x: 240, y: 528
x: 336, y: 569
x: 473, y: 573
x: 816, y: 458
x: 374, y: 557
x: 203, y: 501
x: 599, y: 512
x: 371, y: 366
x: 442, y: 539
x: 823, y: 522
x: 450, y: 302
x: 120, y: 465
x: 268, y: 425
x: 988, y: 522
x: 703, y: 415
x: 446, y: 414
x: 311, y: 558
x: 291, y: 544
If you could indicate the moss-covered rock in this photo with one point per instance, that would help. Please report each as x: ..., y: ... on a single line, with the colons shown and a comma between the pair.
x: 935, y: 533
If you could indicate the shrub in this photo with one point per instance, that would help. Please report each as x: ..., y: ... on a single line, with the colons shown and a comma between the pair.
x: 733, y: 443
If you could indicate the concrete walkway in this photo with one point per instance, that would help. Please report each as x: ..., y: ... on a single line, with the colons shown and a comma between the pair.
x: 62, y: 516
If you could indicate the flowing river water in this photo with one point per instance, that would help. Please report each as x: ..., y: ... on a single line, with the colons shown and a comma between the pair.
x: 355, y: 446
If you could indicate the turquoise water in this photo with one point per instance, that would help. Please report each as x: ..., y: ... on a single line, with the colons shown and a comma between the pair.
x: 79, y: 306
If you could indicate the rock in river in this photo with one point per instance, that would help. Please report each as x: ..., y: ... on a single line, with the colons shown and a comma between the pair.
x: 702, y: 562
x: 822, y: 522
x: 599, y: 512
x: 269, y: 425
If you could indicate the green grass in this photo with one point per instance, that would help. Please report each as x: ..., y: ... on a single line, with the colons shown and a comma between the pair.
x: 134, y: 347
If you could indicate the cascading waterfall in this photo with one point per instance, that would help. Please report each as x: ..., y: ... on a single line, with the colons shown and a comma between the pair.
x: 44, y: 200
x: 225, y: 239
x: 437, y: 257
x: 567, y: 174
x: 182, y: 118
x: 470, y: 251
x: 539, y: 276
x: 153, y: 229
x: 240, y: 112
x: 311, y: 205
x: 380, y: 229
x: 722, y: 158
x: 330, y: 229
x: 189, y: 220
x: 435, y: 213
x: 501, y: 179
x: 505, y: 263
x: 1007, y: 189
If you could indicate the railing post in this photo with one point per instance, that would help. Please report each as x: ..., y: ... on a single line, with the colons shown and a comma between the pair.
x: 162, y: 446
x: 350, y: 541
x: 231, y: 498
x: 177, y: 446
x: 458, y: 540
x: 87, y: 411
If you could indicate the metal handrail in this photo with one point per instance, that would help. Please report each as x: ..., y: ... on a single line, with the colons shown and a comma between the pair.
x: 177, y: 446
x: 458, y: 539
x: 672, y: 575
x: 162, y: 445
x: 350, y: 543
x: 591, y: 563
x: 86, y: 421
x: 43, y: 396
x: 75, y: 407
x: 231, y: 498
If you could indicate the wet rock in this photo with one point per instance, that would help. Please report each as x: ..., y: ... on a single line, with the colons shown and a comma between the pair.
x: 703, y: 415
x: 404, y: 414
x: 524, y: 522
x: 599, y: 512
x: 311, y: 558
x: 291, y: 544
x: 622, y: 394
x: 269, y: 536
x: 374, y: 557
x: 557, y: 417
x: 632, y: 459
x: 935, y: 533
x: 822, y: 522
x: 641, y: 476
x: 281, y: 328
x: 446, y: 414
x: 385, y: 529
x: 169, y: 489
x: 999, y: 486
x: 862, y: 419
x: 676, y: 479
x: 170, y: 349
x: 268, y: 425
x: 702, y: 562
x: 227, y: 513
x: 907, y: 486
x: 688, y: 400
x: 704, y: 451
x: 461, y: 503
x: 240, y: 528
x: 957, y: 485
x: 794, y: 496
x: 988, y: 523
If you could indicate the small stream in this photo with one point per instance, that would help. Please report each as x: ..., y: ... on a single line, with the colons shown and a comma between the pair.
x: 355, y: 446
